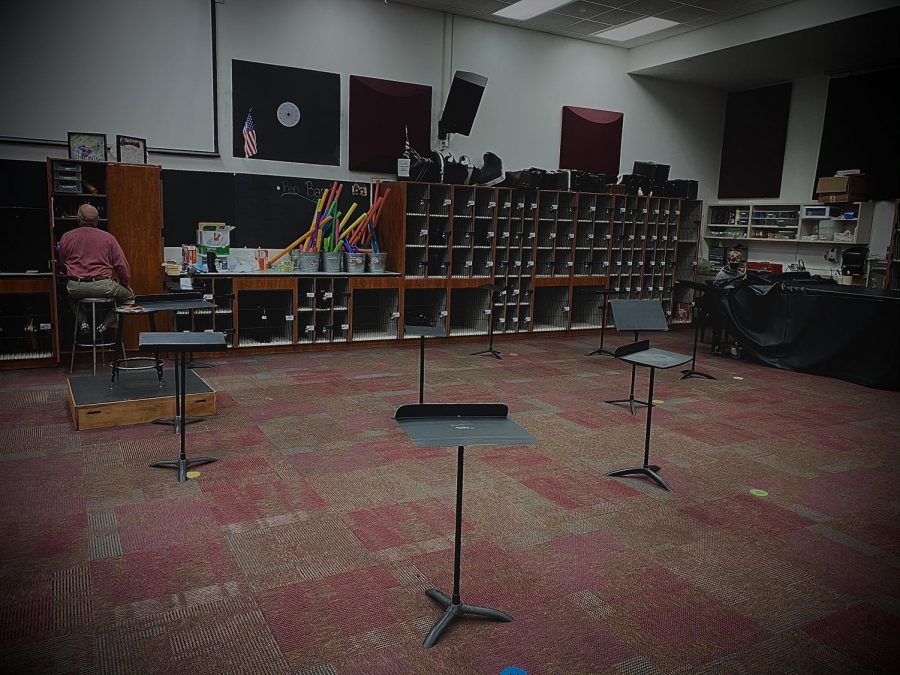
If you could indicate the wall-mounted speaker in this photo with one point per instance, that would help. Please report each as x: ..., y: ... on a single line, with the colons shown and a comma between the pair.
x: 462, y: 104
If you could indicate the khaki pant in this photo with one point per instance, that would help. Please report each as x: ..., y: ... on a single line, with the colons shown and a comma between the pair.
x: 107, y: 288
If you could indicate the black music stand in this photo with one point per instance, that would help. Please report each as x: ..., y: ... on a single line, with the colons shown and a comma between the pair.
x: 636, y: 316
x: 493, y: 288
x: 422, y: 332
x: 182, y: 344
x: 641, y: 354
x: 699, y: 290
x: 444, y: 425
x: 605, y: 293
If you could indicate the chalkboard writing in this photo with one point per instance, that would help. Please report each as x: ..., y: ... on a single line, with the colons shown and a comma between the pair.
x: 267, y: 211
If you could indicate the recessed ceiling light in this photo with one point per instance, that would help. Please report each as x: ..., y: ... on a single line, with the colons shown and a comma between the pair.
x: 528, y: 9
x: 635, y: 29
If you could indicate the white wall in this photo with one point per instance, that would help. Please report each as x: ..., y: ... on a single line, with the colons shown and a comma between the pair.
x: 531, y: 76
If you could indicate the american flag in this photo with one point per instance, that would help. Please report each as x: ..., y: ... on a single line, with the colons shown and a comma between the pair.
x: 249, y: 136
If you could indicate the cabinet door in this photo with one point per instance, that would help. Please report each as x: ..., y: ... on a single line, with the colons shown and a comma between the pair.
x: 135, y: 219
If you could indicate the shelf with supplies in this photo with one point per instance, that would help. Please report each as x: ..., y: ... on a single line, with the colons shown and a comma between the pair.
x: 790, y: 223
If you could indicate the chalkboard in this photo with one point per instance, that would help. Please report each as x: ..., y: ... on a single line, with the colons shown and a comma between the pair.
x: 191, y: 197
x: 272, y: 211
x: 267, y: 211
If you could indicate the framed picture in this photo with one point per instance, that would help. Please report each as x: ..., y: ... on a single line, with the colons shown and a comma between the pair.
x: 91, y: 147
x: 131, y: 150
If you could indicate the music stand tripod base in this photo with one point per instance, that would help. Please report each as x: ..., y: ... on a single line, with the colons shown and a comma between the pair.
x: 651, y: 471
x: 454, y: 610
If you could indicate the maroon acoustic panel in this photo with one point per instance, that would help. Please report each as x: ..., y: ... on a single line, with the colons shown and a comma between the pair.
x: 380, y: 113
x: 591, y: 140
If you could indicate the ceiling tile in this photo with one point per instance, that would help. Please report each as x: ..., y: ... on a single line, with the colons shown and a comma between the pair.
x: 685, y: 14
x: 582, y: 10
x: 613, y: 4
x: 479, y: 6
x: 652, y: 7
x: 615, y: 17
x: 717, y: 5
x: 586, y: 27
x: 550, y: 20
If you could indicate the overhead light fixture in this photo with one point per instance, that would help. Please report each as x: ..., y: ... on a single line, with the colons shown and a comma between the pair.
x: 528, y: 9
x: 635, y: 29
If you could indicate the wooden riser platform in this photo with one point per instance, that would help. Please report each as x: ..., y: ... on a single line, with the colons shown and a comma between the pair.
x: 136, y: 399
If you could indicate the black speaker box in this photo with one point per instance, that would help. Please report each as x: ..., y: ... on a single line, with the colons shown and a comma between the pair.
x: 635, y: 182
x: 462, y: 104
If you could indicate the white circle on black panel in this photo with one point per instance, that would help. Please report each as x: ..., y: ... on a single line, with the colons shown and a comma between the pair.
x: 288, y: 114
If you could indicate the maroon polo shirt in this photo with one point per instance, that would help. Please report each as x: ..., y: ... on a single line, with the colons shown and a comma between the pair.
x: 88, y: 252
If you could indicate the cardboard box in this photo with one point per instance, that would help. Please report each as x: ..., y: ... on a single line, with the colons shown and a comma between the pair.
x: 214, y: 238
x: 840, y: 198
x: 856, y: 185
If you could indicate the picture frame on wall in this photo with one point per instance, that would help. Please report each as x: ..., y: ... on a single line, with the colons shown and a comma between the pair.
x: 131, y: 149
x: 87, y: 146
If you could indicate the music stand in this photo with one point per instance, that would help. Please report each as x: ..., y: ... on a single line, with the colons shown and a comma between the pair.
x: 493, y: 288
x: 605, y: 293
x: 641, y: 354
x: 422, y: 332
x: 445, y: 425
x: 636, y: 316
x: 699, y: 290
x: 182, y: 344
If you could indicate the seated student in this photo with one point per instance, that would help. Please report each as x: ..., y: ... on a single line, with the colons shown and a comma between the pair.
x: 95, y: 266
x: 726, y: 277
x: 731, y: 270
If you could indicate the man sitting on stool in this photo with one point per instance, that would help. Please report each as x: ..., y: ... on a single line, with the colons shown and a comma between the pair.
x: 93, y: 261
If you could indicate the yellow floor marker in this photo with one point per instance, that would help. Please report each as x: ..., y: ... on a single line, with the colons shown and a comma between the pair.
x: 756, y: 492
x: 736, y: 377
x: 193, y: 474
x: 658, y: 401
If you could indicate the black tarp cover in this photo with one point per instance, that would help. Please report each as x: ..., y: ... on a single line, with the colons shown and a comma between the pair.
x: 810, y: 326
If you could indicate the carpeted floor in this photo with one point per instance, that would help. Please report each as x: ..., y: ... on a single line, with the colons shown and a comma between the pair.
x: 307, y: 547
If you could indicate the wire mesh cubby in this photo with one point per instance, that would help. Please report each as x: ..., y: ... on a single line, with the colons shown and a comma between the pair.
x: 551, y: 308
x: 218, y: 291
x: 427, y: 230
x: 376, y: 312
x: 425, y: 307
x: 586, y: 307
x: 26, y: 328
x: 265, y: 318
x: 323, y: 310
x: 469, y: 311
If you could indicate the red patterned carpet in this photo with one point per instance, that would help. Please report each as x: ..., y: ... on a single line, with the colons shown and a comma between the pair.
x: 306, y: 548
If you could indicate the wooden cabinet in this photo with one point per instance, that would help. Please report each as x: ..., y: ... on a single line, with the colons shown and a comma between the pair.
x: 129, y: 200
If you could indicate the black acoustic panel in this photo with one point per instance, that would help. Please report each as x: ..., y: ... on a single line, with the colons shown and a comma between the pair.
x: 23, y: 183
x: 463, y: 100
x: 309, y: 129
x: 861, y: 131
x: 753, y: 142
x: 381, y: 113
x: 591, y: 140
x: 191, y: 197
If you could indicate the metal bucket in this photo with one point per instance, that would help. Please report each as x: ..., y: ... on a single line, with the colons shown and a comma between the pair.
x: 331, y: 262
x: 355, y: 262
x: 376, y: 262
x: 305, y: 261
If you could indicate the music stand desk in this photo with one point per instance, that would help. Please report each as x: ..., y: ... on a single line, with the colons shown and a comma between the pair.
x: 636, y: 316
x: 444, y: 425
x: 181, y: 344
x: 423, y: 332
x: 641, y: 354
